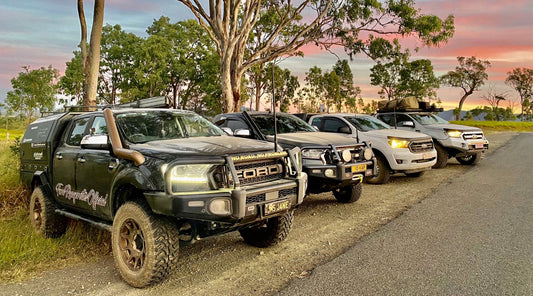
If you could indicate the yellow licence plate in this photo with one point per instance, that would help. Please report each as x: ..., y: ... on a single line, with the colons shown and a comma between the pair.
x: 359, y: 168
x: 277, y: 206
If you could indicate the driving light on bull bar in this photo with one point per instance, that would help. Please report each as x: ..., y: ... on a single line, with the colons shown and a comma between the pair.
x: 367, y: 153
x: 221, y: 207
x: 346, y: 155
x: 330, y: 173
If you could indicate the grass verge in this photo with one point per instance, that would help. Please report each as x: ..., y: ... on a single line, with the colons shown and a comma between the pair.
x: 516, y: 126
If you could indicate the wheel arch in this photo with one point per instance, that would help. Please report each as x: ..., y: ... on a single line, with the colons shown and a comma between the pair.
x: 129, y: 186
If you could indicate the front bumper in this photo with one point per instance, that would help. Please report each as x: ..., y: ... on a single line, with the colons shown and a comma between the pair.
x: 465, y: 147
x: 327, y: 177
x: 247, y: 203
x: 403, y: 160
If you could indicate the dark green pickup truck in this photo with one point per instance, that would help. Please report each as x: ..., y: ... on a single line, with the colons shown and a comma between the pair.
x: 155, y: 177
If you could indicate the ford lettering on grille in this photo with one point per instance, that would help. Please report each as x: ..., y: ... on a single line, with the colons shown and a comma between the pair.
x: 260, y: 171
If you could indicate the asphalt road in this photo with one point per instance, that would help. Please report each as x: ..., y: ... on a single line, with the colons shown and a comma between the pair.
x: 471, y: 236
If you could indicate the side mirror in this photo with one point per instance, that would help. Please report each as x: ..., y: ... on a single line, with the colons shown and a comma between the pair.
x: 316, y: 128
x: 344, y: 130
x: 100, y: 142
x: 408, y: 123
x: 242, y: 133
x: 227, y: 130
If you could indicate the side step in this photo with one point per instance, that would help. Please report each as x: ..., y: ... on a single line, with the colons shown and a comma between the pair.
x: 99, y: 224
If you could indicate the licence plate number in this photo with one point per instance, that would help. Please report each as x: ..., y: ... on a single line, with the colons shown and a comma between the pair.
x: 426, y: 156
x: 359, y: 168
x: 478, y: 145
x: 277, y: 206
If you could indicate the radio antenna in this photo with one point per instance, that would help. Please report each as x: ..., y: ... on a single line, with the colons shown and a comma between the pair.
x: 274, y: 111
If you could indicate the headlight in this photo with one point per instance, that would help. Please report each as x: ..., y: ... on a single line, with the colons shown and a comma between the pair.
x: 398, y: 143
x: 454, y: 134
x: 313, y: 153
x: 190, y: 177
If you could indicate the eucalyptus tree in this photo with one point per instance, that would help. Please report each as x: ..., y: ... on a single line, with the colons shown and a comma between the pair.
x: 521, y: 79
x: 470, y: 75
x: 189, y: 72
x: 329, y: 23
x: 72, y: 83
x: 399, y: 77
x: 91, y: 56
x: 33, y: 90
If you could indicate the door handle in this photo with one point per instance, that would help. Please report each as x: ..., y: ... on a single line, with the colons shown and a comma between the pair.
x: 81, y: 160
x: 113, y: 164
x: 59, y: 155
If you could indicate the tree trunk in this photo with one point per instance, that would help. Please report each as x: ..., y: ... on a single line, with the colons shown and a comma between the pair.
x: 461, y: 101
x: 83, y: 49
x: 259, y: 87
x: 94, y: 52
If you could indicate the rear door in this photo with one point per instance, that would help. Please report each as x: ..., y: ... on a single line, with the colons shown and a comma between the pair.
x: 65, y: 162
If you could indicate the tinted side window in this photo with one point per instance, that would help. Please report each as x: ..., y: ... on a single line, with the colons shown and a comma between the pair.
x: 98, y: 127
x: 333, y: 125
x: 317, y: 121
x: 77, y: 132
x: 235, y: 124
x: 402, y: 118
x: 387, y: 118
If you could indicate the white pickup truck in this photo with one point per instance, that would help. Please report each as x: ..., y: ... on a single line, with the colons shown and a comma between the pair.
x: 396, y: 151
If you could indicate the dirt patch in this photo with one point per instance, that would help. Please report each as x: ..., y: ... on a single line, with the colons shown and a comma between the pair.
x: 225, y: 265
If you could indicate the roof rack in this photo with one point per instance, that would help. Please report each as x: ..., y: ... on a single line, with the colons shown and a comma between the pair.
x: 153, y: 102
x: 432, y: 109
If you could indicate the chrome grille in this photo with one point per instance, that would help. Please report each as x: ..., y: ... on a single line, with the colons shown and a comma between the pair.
x: 421, y: 146
x: 473, y: 136
x: 259, y: 172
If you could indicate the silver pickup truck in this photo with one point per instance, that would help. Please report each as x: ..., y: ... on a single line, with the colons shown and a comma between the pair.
x: 465, y: 143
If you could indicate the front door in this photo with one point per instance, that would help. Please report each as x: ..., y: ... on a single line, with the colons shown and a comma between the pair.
x: 95, y: 171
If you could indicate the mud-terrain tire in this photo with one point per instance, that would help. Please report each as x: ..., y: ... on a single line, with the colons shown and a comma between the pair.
x: 383, y: 171
x: 272, y: 232
x: 442, y: 157
x: 145, y: 246
x: 469, y: 159
x: 43, y: 217
x: 348, y: 194
x: 415, y: 175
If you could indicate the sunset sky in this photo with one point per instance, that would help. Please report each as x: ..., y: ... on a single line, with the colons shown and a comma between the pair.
x: 39, y: 33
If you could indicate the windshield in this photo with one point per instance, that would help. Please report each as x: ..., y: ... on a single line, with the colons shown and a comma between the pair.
x: 285, y: 123
x: 141, y: 127
x: 427, y: 118
x: 367, y: 123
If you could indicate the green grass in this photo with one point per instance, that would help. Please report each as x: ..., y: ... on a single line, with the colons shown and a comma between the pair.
x: 24, y: 253
x: 499, y: 125
x: 11, y: 133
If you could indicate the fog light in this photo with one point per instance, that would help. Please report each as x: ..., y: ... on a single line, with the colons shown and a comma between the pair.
x: 346, y: 155
x: 196, y: 204
x: 330, y: 173
x: 367, y: 154
x: 220, y: 207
